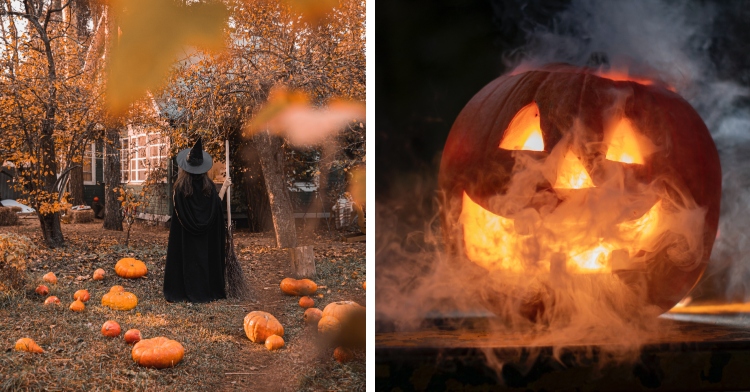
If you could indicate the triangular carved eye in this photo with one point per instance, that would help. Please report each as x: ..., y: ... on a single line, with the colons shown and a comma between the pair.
x: 571, y: 174
x: 524, y: 131
x: 626, y: 145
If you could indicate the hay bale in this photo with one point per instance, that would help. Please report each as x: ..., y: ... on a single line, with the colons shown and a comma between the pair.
x: 8, y: 216
x: 82, y: 216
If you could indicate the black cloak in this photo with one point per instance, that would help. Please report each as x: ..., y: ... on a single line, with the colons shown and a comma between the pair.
x: 195, y: 252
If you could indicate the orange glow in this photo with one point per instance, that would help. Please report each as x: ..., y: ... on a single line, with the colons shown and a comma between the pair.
x: 491, y: 241
x: 712, y: 309
x: 623, y: 76
x: 624, y: 146
x: 524, y: 131
x: 572, y: 175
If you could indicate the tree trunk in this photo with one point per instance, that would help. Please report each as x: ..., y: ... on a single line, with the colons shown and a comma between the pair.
x: 76, y: 186
x: 272, y: 163
x: 303, y: 261
x: 50, y: 223
x: 112, y: 213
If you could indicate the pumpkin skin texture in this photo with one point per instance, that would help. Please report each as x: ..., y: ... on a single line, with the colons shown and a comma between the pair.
x: 52, y: 300
x: 274, y: 342
x: 293, y: 286
x: 132, y: 336
x: 42, y: 290
x: 312, y: 316
x: 99, y: 274
x: 344, y: 323
x: 116, y: 289
x: 50, y: 277
x: 82, y: 295
x: 260, y: 325
x: 329, y: 326
x: 158, y: 352
x: 130, y: 268
x: 579, y: 113
x: 28, y: 345
x: 111, y: 329
x: 120, y: 300
x: 77, y: 306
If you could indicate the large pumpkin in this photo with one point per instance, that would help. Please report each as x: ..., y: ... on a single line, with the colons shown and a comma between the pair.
x: 260, y: 325
x: 119, y: 299
x: 566, y: 171
x: 158, y: 352
x: 130, y: 268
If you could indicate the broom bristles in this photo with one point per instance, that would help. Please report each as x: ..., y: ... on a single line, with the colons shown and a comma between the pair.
x: 237, y: 286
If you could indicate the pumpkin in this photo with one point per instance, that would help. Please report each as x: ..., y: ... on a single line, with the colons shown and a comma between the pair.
x: 28, y: 345
x: 312, y: 316
x: 344, y: 323
x: 343, y: 354
x: 274, y: 342
x: 132, y: 336
x: 293, y: 286
x: 77, y: 306
x: 111, y: 329
x: 119, y: 300
x: 130, y: 268
x: 158, y: 352
x: 260, y: 325
x: 116, y: 288
x: 329, y: 326
x: 82, y: 295
x: 364, y: 285
x: 565, y: 171
x: 42, y: 290
x: 52, y: 300
x: 50, y: 277
x: 341, y: 309
x: 98, y: 274
x: 306, y: 302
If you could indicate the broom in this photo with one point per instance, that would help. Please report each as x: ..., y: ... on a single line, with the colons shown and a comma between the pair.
x: 236, y: 285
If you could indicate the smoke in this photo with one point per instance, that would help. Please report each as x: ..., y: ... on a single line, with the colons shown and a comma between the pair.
x: 417, y: 278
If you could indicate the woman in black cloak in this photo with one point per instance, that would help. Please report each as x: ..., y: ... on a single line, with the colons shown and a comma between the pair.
x: 195, y: 251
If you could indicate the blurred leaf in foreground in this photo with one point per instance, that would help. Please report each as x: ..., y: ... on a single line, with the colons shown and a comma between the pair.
x: 150, y: 35
x: 312, y: 11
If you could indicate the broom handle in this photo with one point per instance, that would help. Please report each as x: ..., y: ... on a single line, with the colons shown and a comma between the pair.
x: 229, y: 188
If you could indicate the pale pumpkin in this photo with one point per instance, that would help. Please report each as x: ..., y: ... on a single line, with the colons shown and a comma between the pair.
x: 52, y: 300
x: 274, y: 342
x: 312, y: 316
x: 28, y: 345
x: 82, y: 295
x: 99, y: 274
x: 158, y: 352
x: 132, y: 336
x: 260, y: 325
x: 130, y: 268
x: 120, y: 300
x: 50, y: 277
x: 293, y: 286
x: 77, y: 306
x: 111, y: 329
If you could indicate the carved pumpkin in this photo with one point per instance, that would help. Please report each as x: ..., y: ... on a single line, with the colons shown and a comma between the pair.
x: 119, y: 300
x: 260, y: 325
x: 77, y: 306
x: 130, y: 268
x: 274, y: 342
x: 28, y: 345
x: 293, y: 286
x: 82, y: 295
x: 52, y: 300
x: 99, y: 274
x: 566, y: 171
x: 158, y: 352
x: 42, y: 290
x: 306, y: 302
x: 312, y: 316
x: 132, y: 336
x: 111, y: 329
x: 50, y: 277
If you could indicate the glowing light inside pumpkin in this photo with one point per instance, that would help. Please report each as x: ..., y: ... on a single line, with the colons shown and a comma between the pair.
x: 524, y: 131
x: 624, y: 146
x: 572, y: 175
x: 492, y: 242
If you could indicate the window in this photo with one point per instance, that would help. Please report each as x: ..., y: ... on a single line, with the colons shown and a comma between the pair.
x: 89, y: 165
x: 140, y: 153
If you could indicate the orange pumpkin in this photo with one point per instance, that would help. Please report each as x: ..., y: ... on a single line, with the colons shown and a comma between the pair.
x: 306, y: 302
x: 329, y: 326
x: 130, y: 268
x: 260, y: 325
x: 28, y: 345
x: 364, y: 285
x: 119, y: 300
x: 158, y: 352
x: 82, y: 295
x: 312, y: 316
x: 111, y: 329
x: 341, y: 309
x: 99, y: 274
x: 77, y: 306
x: 293, y: 286
x: 116, y: 289
x: 344, y: 323
x: 50, y: 277
x: 343, y: 354
x: 42, y: 290
x: 52, y: 300
x: 132, y: 336
x: 274, y: 342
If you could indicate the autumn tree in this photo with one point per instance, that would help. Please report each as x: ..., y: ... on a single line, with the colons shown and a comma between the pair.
x: 48, y: 105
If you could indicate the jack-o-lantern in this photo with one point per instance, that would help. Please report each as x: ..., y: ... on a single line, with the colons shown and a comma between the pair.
x: 565, y: 170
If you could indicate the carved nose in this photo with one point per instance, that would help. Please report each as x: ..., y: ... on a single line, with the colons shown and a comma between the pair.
x: 571, y: 174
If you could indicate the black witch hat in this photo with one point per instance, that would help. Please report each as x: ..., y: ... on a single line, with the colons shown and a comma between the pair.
x: 195, y: 160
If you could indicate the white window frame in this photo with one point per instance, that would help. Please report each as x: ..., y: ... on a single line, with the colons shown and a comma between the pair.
x: 146, y: 150
x: 90, y: 153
